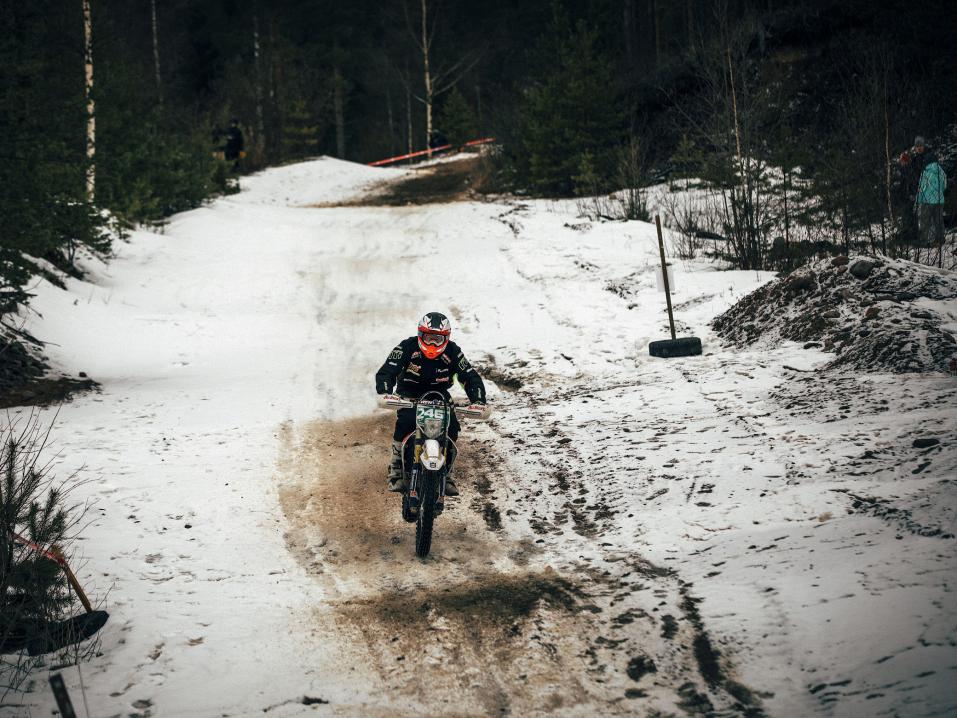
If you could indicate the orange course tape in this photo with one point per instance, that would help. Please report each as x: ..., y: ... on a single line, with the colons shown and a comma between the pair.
x: 399, y: 158
x: 55, y: 557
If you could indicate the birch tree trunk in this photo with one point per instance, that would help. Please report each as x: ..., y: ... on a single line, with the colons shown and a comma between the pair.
x: 428, y: 77
x: 90, y: 110
x: 156, y: 52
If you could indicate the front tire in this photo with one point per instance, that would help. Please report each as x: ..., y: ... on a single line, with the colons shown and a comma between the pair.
x: 427, y: 496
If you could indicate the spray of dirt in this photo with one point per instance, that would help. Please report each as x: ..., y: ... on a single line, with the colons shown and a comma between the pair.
x: 495, y: 637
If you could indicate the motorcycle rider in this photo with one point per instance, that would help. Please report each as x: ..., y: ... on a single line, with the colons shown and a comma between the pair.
x: 426, y: 362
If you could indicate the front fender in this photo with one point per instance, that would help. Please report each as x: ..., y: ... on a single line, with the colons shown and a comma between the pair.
x: 432, y: 457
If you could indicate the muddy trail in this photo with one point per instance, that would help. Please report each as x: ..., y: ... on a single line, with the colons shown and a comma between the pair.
x: 501, y: 624
x: 453, y: 181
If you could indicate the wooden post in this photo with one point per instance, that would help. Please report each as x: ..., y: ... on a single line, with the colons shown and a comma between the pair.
x: 55, y: 555
x: 81, y: 594
x: 664, y: 275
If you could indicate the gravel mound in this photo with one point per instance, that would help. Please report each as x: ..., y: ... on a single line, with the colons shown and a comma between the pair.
x: 873, y: 313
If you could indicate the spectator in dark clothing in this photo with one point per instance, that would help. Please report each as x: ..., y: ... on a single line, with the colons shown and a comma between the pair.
x: 233, y: 149
x: 911, y: 166
x: 437, y: 139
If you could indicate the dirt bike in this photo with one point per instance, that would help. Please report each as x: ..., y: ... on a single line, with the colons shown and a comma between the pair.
x: 427, y: 457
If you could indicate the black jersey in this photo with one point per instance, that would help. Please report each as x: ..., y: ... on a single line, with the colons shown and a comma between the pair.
x: 410, y: 373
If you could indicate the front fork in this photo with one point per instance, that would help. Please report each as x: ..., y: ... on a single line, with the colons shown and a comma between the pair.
x: 416, y: 476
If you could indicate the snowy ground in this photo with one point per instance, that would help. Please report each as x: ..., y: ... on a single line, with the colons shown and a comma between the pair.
x: 732, y: 534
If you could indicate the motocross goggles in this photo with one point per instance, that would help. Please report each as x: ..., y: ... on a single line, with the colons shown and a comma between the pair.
x: 435, y: 340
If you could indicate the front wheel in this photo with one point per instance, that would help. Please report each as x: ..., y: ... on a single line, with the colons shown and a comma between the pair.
x: 428, y: 494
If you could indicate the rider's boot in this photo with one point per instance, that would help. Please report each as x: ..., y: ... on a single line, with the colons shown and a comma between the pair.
x: 450, y: 488
x: 397, y: 482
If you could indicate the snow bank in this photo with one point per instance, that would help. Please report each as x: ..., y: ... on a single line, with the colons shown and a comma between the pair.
x: 325, y: 180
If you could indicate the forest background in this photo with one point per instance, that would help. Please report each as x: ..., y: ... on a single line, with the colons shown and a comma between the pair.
x: 795, y: 111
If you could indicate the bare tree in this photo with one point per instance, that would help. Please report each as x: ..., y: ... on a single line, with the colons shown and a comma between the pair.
x: 437, y: 79
x: 156, y: 52
x: 90, y: 109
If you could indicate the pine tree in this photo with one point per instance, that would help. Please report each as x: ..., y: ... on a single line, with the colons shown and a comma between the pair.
x: 572, y: 113
x: 456, y: 119
x: 33, y: 589
x: 300, y: 134
x: 46, y: 213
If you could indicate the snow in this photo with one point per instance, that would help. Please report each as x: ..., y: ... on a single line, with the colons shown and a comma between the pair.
x: 737, y: 501
x: 325, y: 180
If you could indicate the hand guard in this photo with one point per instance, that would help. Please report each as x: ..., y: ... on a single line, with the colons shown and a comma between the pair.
x: 478, y: 410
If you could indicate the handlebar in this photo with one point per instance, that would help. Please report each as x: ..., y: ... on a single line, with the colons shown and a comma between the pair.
x: 476, y: 411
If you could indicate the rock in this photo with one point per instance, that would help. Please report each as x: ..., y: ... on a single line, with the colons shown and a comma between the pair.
x: 812, y: 345
x: 82, y: 375
x: 872, y: 312
x: 922, y: 314
x: 925, y: 443
x: 862, y: 267
x: 846, y: 292
x: 801, y: 282
x: 831, y: 314
x: 838, y: 261
x: 841, y: 270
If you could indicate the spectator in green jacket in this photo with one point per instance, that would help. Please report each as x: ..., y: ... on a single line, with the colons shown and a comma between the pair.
x: 930, y: 202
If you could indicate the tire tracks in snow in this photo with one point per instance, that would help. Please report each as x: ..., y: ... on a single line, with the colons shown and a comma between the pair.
x: 650, y: 640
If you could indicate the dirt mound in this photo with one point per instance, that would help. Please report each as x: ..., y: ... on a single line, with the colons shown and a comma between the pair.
x: 874, y: 313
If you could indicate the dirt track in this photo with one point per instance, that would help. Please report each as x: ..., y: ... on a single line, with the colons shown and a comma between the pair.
x: 500, y: 629
x: 432, y: 184
x: 467, y: 611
